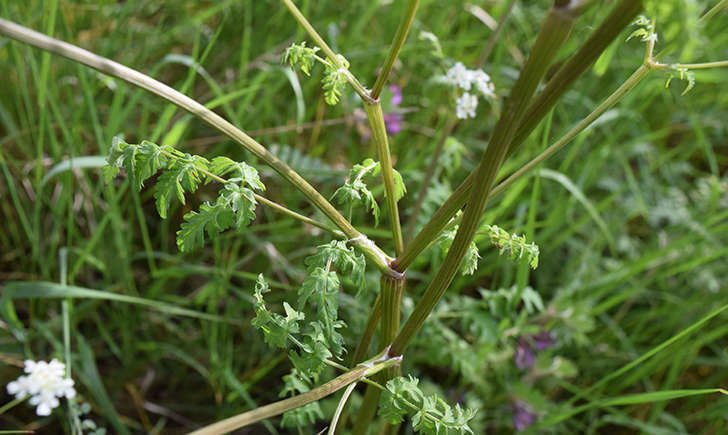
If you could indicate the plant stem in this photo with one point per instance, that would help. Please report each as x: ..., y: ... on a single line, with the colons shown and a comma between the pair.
x: 369, y: 330
x: 704, y: 65
x: 607, y: 104
x: 379, y: 135
x: 621, y: 16
x: 714, y: 10
x: 394, y: 49
x: 427, y: 179
x: 10, y: 405
x: 114, y: 69
x: 358, y: 87
x: 371, y: 367
x: 391, y: 290
x: 553, y: 33
x: 496, y: 33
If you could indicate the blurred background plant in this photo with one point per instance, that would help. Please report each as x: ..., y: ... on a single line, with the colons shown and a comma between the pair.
x: 631, y: 219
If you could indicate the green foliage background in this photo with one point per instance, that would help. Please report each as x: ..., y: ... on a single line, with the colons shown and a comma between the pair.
x: 631, y: 219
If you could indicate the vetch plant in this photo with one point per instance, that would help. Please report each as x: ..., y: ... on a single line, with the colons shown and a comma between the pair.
x: 507, y: 326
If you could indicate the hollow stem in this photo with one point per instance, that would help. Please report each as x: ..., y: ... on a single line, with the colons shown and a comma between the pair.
x: 355, y: 84
x: 553, y: 33
x: 621, y: 16
x: 371, y: 367
x: 399, y: 38
x: 379, y: 135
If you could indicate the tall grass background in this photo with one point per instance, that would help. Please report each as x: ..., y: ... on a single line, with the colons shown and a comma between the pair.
x: 631, y: 218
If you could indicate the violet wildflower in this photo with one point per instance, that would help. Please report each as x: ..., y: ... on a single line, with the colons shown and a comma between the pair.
x: 393, y: 120
x: 543, y: 340
x: 522, y: 415
x: 524, y: 355
x: 45, y: 383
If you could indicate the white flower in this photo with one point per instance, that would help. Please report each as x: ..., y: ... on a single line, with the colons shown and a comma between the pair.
x: 482, y: 83
x: 459, y: 76
x: 44, y: 383
x: 465, y: 78
x: 465, y: 106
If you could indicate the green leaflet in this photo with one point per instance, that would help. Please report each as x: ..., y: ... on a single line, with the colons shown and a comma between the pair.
x: 276, y: 328
x: 183, y: 173
x: 334, y: 81
x: 245, y: 174
x: 470, y: 261
x: 212, y: 218
x: 430, y: 415
x: 298, y: 55
x: 344, y: 258
x: 355, y: 191
x: 513, y: 245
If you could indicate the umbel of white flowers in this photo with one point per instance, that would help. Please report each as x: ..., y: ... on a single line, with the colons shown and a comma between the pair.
x: 44, y: 383
x: 467, y: 80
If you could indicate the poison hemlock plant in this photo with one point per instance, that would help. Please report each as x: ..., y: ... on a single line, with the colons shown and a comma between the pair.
x: 183, y: 173
x: 430, y: 415
x: 321, y: 339
x: 334, y: 81
x: 513, y: 245
x: 355, y: 191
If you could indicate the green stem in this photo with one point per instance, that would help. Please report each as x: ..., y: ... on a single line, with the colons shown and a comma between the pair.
x: 114, y: 69
x: 10, y: 405
x: 369, y: 330
x: 391, y: 290
x: 496, y: 33
x: 391, y: 293
x: 358, y: 87
x: 379, y: 134
x: 371, y: 367
x: 553, y: 33
x: 427, y: 179
x: 621, y: 16
x: 394, y: 49
x: 704, y: 65
x: 714, y: 10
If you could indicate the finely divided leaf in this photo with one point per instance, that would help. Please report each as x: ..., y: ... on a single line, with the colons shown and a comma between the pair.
x: 241, y: 171
x: 182, y: 175
x: 276, y: 328
x: 212, y: 218
x: 241, y: 201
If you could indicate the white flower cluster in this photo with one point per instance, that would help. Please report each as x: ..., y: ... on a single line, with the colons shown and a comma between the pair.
x: 468, y: 79
x: 44, y: 384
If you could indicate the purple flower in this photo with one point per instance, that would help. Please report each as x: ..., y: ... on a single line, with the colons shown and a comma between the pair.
x: 397, y: 95
x: 522, y: 415
x: 393, y: 120
x: 543, y: 340
x: 524, y: 354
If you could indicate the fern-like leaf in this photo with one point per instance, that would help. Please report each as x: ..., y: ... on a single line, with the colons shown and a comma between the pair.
x: 298, y: 55
x: 212, y: 218
x: 182, y: 175
x: 334, y: 80
x: 430, y: 415
x: 276, y: 328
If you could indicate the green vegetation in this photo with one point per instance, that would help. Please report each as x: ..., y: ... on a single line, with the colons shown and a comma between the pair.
x: 522, y: 226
